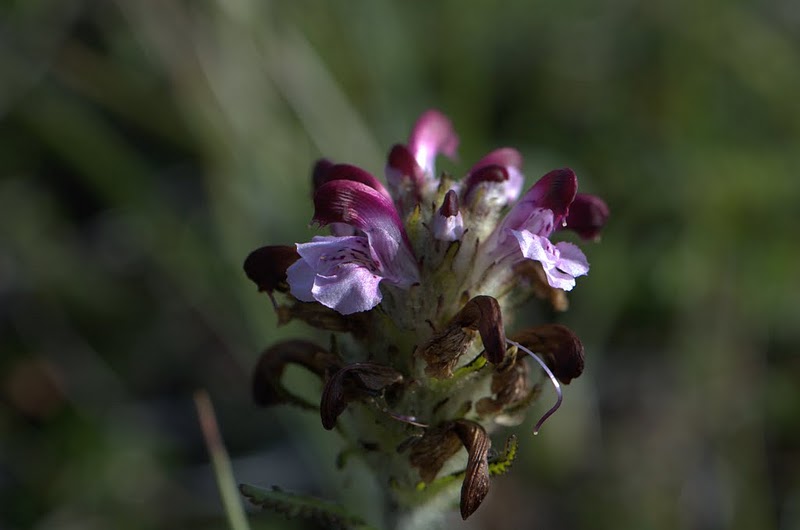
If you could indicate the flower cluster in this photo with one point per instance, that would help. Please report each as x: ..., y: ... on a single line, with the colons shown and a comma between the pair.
x: 414, y: 283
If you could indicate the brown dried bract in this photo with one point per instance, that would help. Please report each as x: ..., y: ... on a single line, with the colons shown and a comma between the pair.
x: 559, y: 348
x: 321, y: 317
x: 509, y: 386
x: 533, y: 272
x: 476, y: 479
x: 430, y: 452
x: 480, y: 315
x: 353, y: 382
x: 438, y: 445
x: 267, y: 387
x: 442, y: 351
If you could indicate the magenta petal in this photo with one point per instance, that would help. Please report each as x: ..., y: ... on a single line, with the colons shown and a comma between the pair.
x: 505, y: 156
x: 360, y: 206
x: 432, y: 134
x: 539, y: 210
x: 498, y: 182
x: 555, y: 191
x: 448, y: 223
x: 488, y: 173
x: 587, y: 215
x: 449, y: 206
x: 351, y: 173
x: 400, y: 165
x: 508, y: 158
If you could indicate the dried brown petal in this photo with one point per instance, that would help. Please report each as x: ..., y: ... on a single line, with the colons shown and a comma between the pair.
x: 352, y: 382
x: 321, y: 317
x: 267, y: 387
x: 533, y: 272
x: 481, y: 314
x: 442, y: 351
x: 509, y: 385
x: 558, y: 347
x: 436, y: 447
x: 476, y: 480
x: 266, y: 266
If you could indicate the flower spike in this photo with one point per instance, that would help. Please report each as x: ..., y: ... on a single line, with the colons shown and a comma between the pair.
x: 415, y: 285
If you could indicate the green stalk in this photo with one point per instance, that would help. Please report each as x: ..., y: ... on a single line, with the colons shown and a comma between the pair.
x: 221, y: 462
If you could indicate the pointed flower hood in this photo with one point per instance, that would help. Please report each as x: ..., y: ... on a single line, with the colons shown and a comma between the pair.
x: 524, y: 232
x: 344, y: 272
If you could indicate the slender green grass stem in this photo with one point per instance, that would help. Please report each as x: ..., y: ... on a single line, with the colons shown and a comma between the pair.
x: 221, y: 462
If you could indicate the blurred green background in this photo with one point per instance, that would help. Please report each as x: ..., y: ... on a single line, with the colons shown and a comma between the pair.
x: 147, y: 146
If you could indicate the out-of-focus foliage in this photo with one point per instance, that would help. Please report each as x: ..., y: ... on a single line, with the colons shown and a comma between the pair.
x: 147, y: 146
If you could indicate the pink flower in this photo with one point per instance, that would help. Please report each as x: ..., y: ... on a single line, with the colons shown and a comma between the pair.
x: 344, y: 272
x: 500, y: 172
x: 587, y: 216
x: 444, y: 262
x: 411, y: 169
x: 524, y: 232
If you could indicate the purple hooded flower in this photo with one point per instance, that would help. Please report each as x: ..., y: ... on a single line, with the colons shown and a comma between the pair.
x: 562, y: 262
x: 587, y: 216
x: 432, y: 134
x: 411, y: 169
x: 524, y: 232
x: 500, y: 172
x: 435, y: 357
x: 344, y: 272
